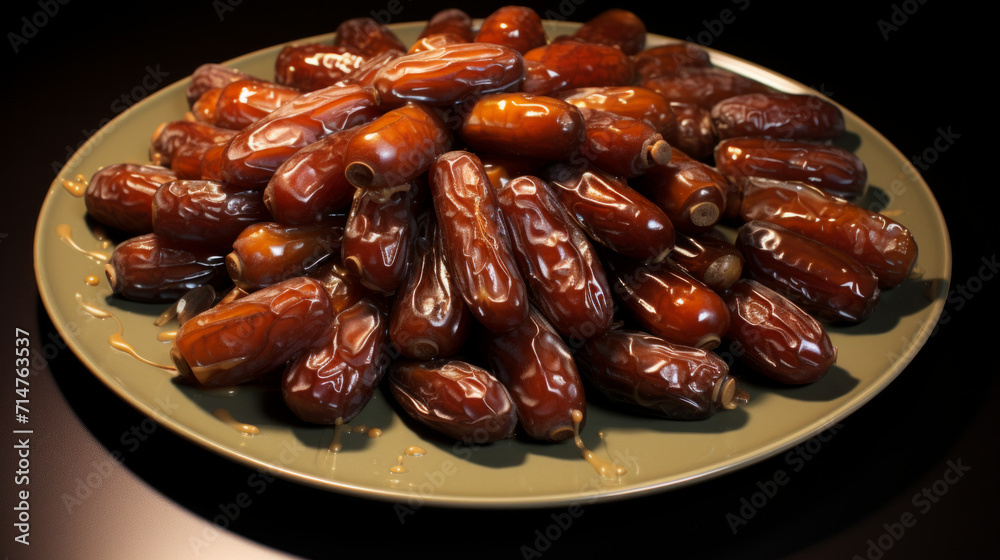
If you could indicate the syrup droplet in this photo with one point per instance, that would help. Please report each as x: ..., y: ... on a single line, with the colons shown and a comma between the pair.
x: 227, y: 417
x: 607, y: 469
x: 77, y: 186
x: 398, y: 467
x: 117, y: 339
x: 65, y: 233
x: 92, y: 280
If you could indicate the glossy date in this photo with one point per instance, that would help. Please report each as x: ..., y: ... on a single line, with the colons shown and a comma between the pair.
x: 149, y: 268
x: 121, y: 195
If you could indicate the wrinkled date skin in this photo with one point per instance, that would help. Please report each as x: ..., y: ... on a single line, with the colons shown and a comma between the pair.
x: 397, y: 147
x: 778, y: 115
x: 343, y: 287
x: 429, y: 319
x: 445, y: 76
x: 475, y: 242
x: 831, y: 169
x: 703, y: 86
x: 455, y: 398
x: 169, y: 138
x: 612, y: 213
x: 149, y: 268
x: 364, y: 75
x: 569, y: 64
x: 824, y: 281
x: 692, y: 194
x: 565, y: 276
x: 622, y: 146
x: 882, y: 244
x: 502, y: 168
x: 315, y: 66
x: 450, y: 20
x: 310, y: 185
x: 716, y: 262
x: 647, y: 373
x: 616, y: 27
x: 207, y: 213
x: 536, y: 366
x: 121, y: 195
x: 517, y: 27
x: 209, y: 76
x: 239, y: 341
x: 244, y: 102
x: 435, y: 41
x: 670, y: 303
x: 524, y: 124
x: 378, y: 238
x: 332, y: 380
x: 776, y: 337
x: 693, y: 133
x: 626, y: 101
x: 368, y: 36
x: 666, y: 60
x: 256, y: 151
x: 267, y: 253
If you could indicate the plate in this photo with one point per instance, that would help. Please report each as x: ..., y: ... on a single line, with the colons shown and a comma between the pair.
x: 657, y: 455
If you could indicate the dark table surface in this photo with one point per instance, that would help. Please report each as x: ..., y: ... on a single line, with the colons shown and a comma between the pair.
x: 912, y: 474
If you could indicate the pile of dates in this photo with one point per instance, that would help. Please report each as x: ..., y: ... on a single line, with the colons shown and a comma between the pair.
x: 492, y: 221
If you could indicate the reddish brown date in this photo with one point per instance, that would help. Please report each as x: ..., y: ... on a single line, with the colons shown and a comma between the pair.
x: 435, y: 41
x: 524, y: 124
x: 203, y: 109
x: 666, y: 60
x: 778, y: 115
x: 450, y: 20
x: 564, y: 274
x: 626, y: 101
x: 670, y: 303
x: 517, y: 27
x: 536, y: 366
x: 882, y: 244
x: 692, y: 194
x: 714, y: 261
x: 826, y: 282
x: 121, y: 195
x: 616, y: 27
x: 429, y: 319
x: 613, y: 213
x: 209, y: 76
x: 502, y: 168
x: 187, y: 160
x: 267, y: 253
x: 649, y: 374
x: 332, y: 380
x: 343, y: 287
x: 831, y: 169
x: 242, y: 103
x: 378, y: 238
x: 368, y: 36
x: 622, y: 146
x: 315, y: 66
x: 397, y: 147
x: 445, y: 76
x: 170, y: 137
x: 256, y: 151
x: 149, y: 268
x: 475, y: 242
x: 210, y: 214
x: 364, y: 75
x: 455, y: 398
x: 693, y: 133
x: 703, y: 86
x: 239, y: 341
x: 569, y: 64
x: 211, y: 163
x: 776, y: 337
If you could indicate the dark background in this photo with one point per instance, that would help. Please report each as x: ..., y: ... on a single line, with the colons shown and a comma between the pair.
x: 911, y: 79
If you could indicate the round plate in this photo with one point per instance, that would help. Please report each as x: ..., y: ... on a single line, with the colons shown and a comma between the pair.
x: 656, y: 454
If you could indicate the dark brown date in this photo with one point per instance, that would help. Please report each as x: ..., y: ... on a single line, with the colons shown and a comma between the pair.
x: 649, y: 374
x: 502, y: 168
x: 397, y: 147
x: 882, y: 244
x: 524, y: 124
x: 714, y: 261
x: 429, y: 319
x: 121, y: 195
x: 256, y: 151
x: 476, y: 246
x: 343, y: 287
x: 692, y: 194
x: 703, y: 86
x: 149, y: 268
x: 211, y: 163
x: 778, y: 115
x: 517, y: 27
x: 831, y: 169
x: 776, y: 337
x: 239, y: 341
x: 670, y: 303
x: 442, y: 77
x: 332, y: 380
x: 435, y: 41
x: 368, y: 36
x: 569, y: 64
x: 622, y: 146
x: 207, y: 213
x: 378, y: 238
x: 564, y: 274
x: 616, y: 27
x: 267, y: 253
x: 666, y: 60
x: 209, y: 76
x: 242, y: 103
x: 450, y: 20
x: 539, y: 371
x: 168, y: 138
x: 315, y: 66
x: 455, y: 398
x: 613, y: 213
x: 826, y: 282
x: 625, y: 101
x: 693, y: 133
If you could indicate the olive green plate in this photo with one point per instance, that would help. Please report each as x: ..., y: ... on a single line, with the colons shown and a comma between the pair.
x: 657, y: 454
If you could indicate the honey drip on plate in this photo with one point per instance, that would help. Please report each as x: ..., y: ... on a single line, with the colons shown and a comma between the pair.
x: 607, y: 469
x: 66, y: 234
x: 166, y: 336
x: 339, y: 428
x: 117, y: 339
x: 411, y: 451
x: 92, y: 280
x: 227, y: 417
x: 77, y: 186
x: 398, y: 468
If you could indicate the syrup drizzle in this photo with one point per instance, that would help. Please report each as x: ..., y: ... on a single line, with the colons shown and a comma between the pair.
x: 65, y: 233
x: 227, y: 417
x: 76, y: 187
x: 607, y: 469
x: 117, y: 339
